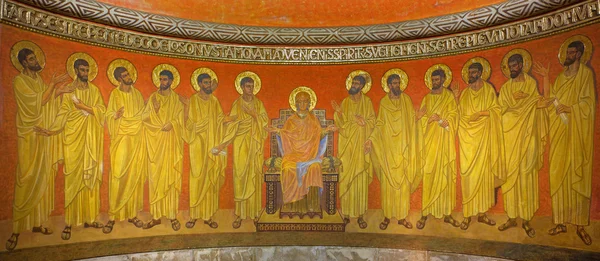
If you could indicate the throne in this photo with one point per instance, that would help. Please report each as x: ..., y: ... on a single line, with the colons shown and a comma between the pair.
x: 273, y: 219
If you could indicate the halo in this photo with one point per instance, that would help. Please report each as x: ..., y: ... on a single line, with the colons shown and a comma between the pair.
x: 165, y: 66
x: 487, y: 69
x: 311, y: 93
x: 526, y: 61
x: 587, y: 52
x: 446, y: 70
x: 84, y: 56
x: 197, y: 73
x: 399, y: 72
x: 357, y: 73
x: 120, y: 63
x: 242, y: 75
x: 14, y: 52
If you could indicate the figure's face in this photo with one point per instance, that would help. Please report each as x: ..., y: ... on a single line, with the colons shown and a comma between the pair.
x: 474, y: 75
x: 126, y: 78
x: 515, y: 69
x: 395, y: 87
x: 165, y: 82
x: 572, y: 56
x: 436, y: 82
x: 356, y: 87
x: 31, y: 63
x: 248, y: 88
x: 302, y: 102
x: 205, y: 85
x: 83, y: 72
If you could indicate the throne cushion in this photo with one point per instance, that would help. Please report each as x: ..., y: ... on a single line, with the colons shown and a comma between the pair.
x: 329, y: 164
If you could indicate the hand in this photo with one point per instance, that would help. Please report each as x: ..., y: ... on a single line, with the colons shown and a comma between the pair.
x: 58, y: 79
x: 520, y: 95
x: 249, y: 110
x: 216, y: 150
x: 360, y: 120
x: 368, y: 146
x: 475, y: 116
x: 561, y: 108
x: 230, y: 118
x: 79, y: 105
x: 455, y: 87
x: 444, y: 124
x: 41, y: 131
x: 65, y: 88
x: 214, y: 84
x: 434, y: 118
x: 272, y: 129
x: 155, y: 103
x: 544, y: 102
x: 184, y: 100
x: 336, y: 107
x: 119, y: 113
x: 541, y: 70
x: 331, y: 128
x: 167, y: 127
x: 421, y: 112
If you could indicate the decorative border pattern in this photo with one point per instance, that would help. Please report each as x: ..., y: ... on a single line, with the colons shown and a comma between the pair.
x: 324, y: 227
x: 25, y: 17
x: 498, y: 14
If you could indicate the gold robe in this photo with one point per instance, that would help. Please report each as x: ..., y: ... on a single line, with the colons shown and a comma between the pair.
x: 572, y: 148
x: 356, y: 173
x: 205, y: 128
x: 525, y: 129
x: 165, y: 153
x: 128, y: 155
x: 481, y: 149
x: 394, y: 154
x: 37, y: 155
x: 438, y: 152
x: 248, y: 135
x: 84, y: 153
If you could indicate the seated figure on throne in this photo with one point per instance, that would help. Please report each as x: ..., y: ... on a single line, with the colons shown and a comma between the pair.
x: 303, y: 143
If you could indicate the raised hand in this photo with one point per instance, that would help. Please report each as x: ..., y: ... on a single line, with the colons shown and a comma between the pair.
x: 331, y: 128
x: 119, y: 113
x: 455, y: 87
x: 434, y: 118
x: 214, y: 84
x: 544, y: 71
x: 249, y: 110
x: 184, y: 100
x: 545, y: 102
x: 421, y: 112
x: 336, y: 107
x: 155, y: 104
x: 58, y: 79
x: 230, y: 118
x: 272, y: 129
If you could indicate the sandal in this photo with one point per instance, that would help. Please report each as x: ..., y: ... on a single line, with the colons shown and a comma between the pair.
x: 560, y: 228
x: 135, y: 221
x: 510, y: 223
x: 93, y: 225
x: 450, y: 220
x: 11, y: 243
x: 212, y: 224
x: 528, y: 229
x: 384, y: 224
x: 151, y: 224
x: 43, y: 230
x: 108, y: 227
x: 484, y: 219
x: 585, y: 237
x: 421, y: 222
x: 66, y: 233
x: 465, y: 223
x: 175, y: 224
x: 346, y: 220
x: 237, y: 223
x: 405, y: 223
x: 361, y: 222
x: 191, y: 223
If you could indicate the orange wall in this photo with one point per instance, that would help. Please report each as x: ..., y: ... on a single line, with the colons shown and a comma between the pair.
x: 278, y: 81
x: 303, y: 13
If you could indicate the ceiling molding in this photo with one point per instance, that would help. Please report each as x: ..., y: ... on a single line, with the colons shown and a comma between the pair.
x: 493, y: 15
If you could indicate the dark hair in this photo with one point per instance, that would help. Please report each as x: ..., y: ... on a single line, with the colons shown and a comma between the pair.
x: 477, y: 66
x: 118, y: 71
x: 202, y: 77
x: 577, y: 45
x: 439, y: 72
x: 515, y: 58
x: 393, y: 77
x: 167, y: 73
x: 245, y: 80
x: 80, y: 62
x: 22, y: 55
x: 361, y: 79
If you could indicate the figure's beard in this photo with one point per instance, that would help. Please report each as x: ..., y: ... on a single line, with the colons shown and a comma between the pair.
x: 207, y: 90
x: 436, y: 86
x: 165, y: 87
x: 129, y: 82
x: 35, y: 68
x: 568, y: 62
x: 82, y: 78
x: 473, y: 79
x: 353, y: 91
x: 396, y: 91
x: 514, y: 74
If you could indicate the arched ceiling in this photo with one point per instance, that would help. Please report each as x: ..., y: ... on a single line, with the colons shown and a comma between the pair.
x: 303, y: 13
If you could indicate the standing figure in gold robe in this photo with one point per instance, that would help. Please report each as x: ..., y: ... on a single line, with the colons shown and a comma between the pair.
x: 205, y: 125
x: 393, y: 146
x: 524, y: 123
x: 37, y: 155
x: 81, y: 118
x: 355, y: 119
x: 438, y: 120
x: 128, y: 155
x: 481, y: 145
x: 248, y: 135
x: 164, y: 138
x: 572, y: 137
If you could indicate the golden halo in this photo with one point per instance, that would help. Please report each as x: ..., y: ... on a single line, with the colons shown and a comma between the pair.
x: 165, y: 66
x: 120, y: 63
x: 242, y: 75
x: 311, y: 93
x: 399, y: 72
x: 587, y: 52
x: 14, y: 52
x: 446, y: 70
x: 84, y: 56
x: 357, y: 73
x: 197, y: 72
x: 487, y: 69
x: 526, y: 61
